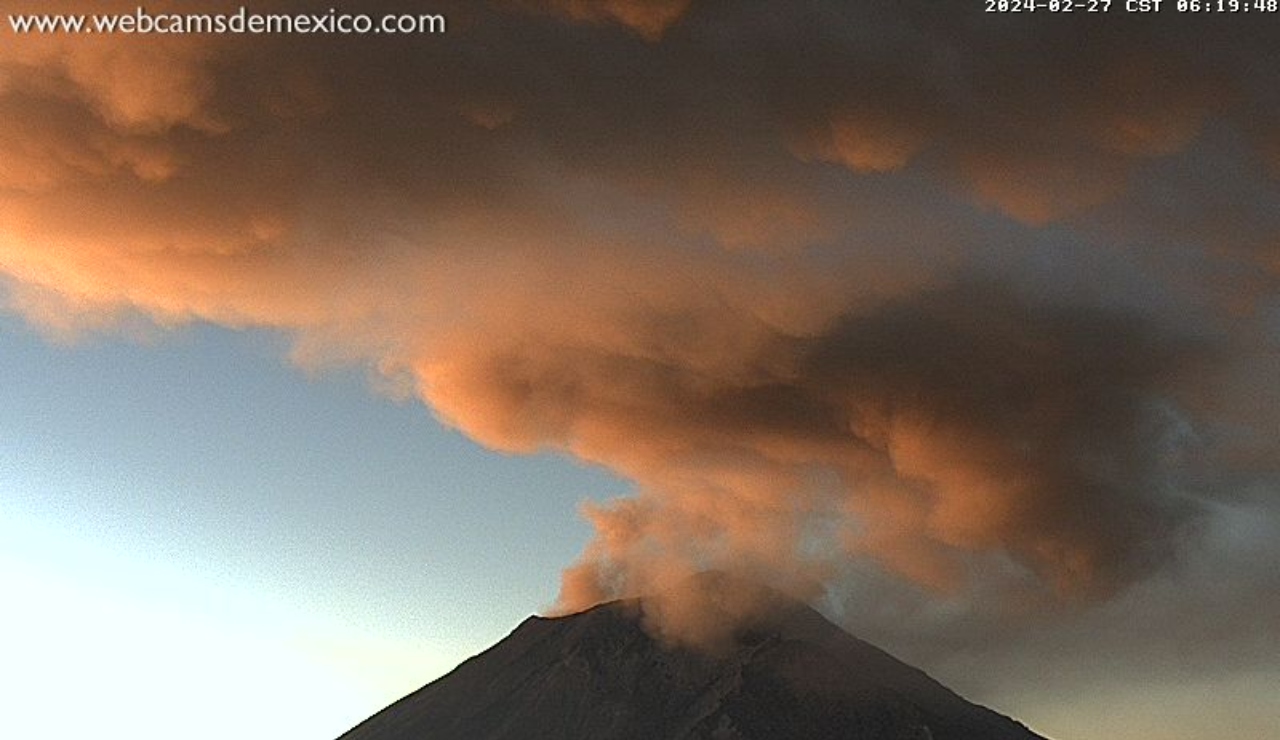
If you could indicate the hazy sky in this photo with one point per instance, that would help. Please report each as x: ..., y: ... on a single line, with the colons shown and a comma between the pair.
x: 324, y: 356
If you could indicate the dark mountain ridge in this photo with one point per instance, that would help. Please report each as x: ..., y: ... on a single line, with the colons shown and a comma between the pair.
x: 785, y: 673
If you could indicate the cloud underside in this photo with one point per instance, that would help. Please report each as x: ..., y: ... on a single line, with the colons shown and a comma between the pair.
x: 988, y: 305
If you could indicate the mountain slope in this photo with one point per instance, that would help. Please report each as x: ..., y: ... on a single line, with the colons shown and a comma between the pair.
x: 599, y: 675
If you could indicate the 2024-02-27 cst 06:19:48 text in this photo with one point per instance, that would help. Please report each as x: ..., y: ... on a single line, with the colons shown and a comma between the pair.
x: 1050, y: 6
x: 1133, y: 6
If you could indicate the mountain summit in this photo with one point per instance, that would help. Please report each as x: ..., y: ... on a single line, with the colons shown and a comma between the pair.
x: 782, y: 672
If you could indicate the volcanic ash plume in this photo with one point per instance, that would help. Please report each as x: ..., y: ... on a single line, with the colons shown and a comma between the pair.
x: 923, y: 433
x: 786, y: 270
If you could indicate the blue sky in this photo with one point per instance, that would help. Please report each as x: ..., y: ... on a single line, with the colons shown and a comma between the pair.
x: 201, y: 490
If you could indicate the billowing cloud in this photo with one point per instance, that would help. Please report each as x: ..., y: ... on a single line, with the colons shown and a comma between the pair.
x: 831, y: 283
x: 932, y: 428
x: 649, y: 18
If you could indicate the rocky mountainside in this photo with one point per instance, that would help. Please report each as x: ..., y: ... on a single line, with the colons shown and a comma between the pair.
x: 787, y: 673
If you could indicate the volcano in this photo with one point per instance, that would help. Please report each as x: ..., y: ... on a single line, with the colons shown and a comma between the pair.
x: 777, y: 671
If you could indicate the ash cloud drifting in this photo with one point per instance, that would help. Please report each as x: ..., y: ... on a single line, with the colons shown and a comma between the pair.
x: 956, y: 421
x: 888, y: 284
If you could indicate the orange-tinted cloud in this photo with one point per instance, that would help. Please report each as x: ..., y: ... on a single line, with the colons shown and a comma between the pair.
x: 955, y: 422
x: 649, y: 18
x: 783, y: 269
